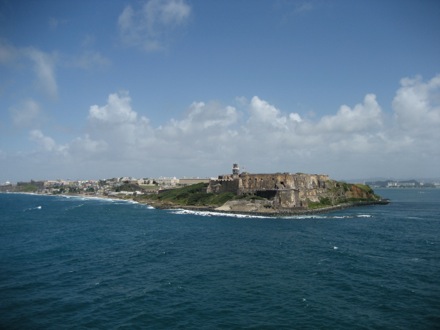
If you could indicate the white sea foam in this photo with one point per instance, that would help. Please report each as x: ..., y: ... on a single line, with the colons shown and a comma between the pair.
x: 329, y: 217
x: 99, y: 198
x: 216, y: 214
x: 301, y: 217
x: 251, y: 216
x: 318, y: 216
x: 33, y: 208
x: 289, y: 217
x: 74, y: 207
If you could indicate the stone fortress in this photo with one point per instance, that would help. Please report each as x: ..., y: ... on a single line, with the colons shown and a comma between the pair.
x: 285, y: 190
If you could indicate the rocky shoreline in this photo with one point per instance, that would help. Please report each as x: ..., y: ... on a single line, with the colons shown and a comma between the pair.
x: 265, y: 212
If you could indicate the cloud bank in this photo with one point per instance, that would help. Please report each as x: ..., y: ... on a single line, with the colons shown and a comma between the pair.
x: 357, y: 141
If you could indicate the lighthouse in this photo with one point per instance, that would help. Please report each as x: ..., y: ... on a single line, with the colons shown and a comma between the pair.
x: 235, y: 171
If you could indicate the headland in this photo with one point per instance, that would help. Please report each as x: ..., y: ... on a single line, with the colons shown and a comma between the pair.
x: 274, y: 194
x: 268, y: 194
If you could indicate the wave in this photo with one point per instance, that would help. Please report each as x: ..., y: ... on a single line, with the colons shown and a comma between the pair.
x: 238, y: 215
x: 85, y: 198
x: 98, y: 198
x: 322, y: 216
x: 33, y: 208
x: 74, y: 207
x: 107, y: 200
x: 103, y: 199
x: 216, y: 214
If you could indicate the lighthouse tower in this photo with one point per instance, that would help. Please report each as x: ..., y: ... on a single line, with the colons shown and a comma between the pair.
x: 235, y: 171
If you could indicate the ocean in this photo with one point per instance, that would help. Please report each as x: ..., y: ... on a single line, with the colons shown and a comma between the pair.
x: 77, y: 263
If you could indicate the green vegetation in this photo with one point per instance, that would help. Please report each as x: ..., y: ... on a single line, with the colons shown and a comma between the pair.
x: 364, y: 188
x: 28, y: 188
x: 128, y: 187
x: 323, y: 202
x: 346, y: 186
x: 368, y: 190
x: 193, y: 195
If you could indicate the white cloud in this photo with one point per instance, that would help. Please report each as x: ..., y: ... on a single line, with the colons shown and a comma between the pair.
x: 363, y: 117
x: 151, y: 26
x: 45, y: 142
x: 417, y: 104
x: 91, y: 59
x: 265, y: 114
x: 27, y: 114
x: 295, y: 117
x: 125, y: 132
x: 129, y: 29
x: 116, y: 111
x: 8, y: 53
x: 303, y: 7
x: 206, y: 129
x: 353, y: 142
x: 169, y: 12
x: 86, y: 146
x: 200, y: 117
x: 43, y: 65
x: 44, y: 68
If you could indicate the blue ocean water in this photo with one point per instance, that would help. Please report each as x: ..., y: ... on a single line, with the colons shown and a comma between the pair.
x: 74, y: 263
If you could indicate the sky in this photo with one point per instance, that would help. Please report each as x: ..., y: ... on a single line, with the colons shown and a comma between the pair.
x: 100, y: 89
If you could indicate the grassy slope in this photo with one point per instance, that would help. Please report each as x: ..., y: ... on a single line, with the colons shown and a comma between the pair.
x: 194, y: 195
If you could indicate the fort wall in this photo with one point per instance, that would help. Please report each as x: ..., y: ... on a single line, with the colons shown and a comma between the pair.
x: 286, y: 190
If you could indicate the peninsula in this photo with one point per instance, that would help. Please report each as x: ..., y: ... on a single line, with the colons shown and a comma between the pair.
x: 270, y: 194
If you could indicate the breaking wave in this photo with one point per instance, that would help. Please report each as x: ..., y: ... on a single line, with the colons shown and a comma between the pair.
x: 251, y: 216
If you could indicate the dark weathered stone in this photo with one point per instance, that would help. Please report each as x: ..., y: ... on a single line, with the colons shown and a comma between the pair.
x: 289, y: 191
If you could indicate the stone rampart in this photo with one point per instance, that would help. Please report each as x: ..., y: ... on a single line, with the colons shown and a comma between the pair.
x: 250, y: 183
x: 283, y: 191
x: 223, y: 185
x: 287, y: 190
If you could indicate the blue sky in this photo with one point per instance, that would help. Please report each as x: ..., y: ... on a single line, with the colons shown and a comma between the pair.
x: 100, y: 89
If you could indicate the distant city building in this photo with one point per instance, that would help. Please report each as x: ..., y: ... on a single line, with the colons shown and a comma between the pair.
x: 167, y: 182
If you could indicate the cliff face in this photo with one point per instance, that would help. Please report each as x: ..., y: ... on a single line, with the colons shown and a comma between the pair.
x: 287, y: 191
x: 280, y: 181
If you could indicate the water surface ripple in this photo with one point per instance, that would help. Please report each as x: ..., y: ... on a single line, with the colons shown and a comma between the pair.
x: 99, y: 264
